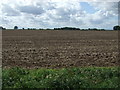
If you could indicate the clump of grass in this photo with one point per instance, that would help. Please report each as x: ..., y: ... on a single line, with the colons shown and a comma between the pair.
x: 88, y: 77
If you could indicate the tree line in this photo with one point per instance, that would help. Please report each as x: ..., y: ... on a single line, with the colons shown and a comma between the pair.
x: 117, y: 27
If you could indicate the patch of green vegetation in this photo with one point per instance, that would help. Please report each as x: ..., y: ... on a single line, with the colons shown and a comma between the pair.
x: 87, y: 77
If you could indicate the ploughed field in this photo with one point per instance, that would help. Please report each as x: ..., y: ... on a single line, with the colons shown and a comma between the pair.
x: 59, y: 49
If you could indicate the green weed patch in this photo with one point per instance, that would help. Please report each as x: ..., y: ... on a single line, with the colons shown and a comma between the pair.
x: 88, y: 77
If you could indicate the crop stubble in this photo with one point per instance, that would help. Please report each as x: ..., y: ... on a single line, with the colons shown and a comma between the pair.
x: 58, y: 49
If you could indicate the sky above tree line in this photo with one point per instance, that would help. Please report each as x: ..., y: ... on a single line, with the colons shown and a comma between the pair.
x: 59, y: 13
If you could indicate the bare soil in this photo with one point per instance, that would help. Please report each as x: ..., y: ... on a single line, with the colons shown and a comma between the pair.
x: 59, y: 49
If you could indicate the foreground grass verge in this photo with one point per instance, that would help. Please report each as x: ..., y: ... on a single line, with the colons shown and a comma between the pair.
x: 87, y: 77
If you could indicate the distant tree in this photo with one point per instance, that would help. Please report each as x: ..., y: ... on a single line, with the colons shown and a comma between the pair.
x: 48, y: 29
x: 23, y: 28
x: 82, y: 29
x: 15, y: 27
x: 1, y: 28
x: 67, y: 28
x: 41, y: 29
x: 95, y: 29
x: 4, y: 28
x: 88, y: 29
x: 102, y: 29
x: 116, y: 27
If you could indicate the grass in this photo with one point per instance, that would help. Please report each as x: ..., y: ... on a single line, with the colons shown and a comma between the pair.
x: 87, y: 77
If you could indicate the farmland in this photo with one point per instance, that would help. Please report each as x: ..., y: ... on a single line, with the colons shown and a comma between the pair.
x: 59, y: 48
x: 59, y: 59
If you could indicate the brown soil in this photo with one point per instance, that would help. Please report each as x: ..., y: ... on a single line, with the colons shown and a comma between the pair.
x: 58, y: 49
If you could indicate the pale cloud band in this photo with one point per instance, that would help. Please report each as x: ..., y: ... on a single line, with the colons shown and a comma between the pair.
x: 58, y: 13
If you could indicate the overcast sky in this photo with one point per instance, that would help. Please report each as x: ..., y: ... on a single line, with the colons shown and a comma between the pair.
x: 58, y: 13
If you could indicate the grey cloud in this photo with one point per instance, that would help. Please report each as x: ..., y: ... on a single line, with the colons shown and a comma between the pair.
x: 9, y: 11
x: 100, y: 21
x: 31, y: 10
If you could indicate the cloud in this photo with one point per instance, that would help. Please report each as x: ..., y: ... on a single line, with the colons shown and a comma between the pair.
x: 112, y: 7
x: 31, y: 10
x: 9, y: 11
x: 57, y: 13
